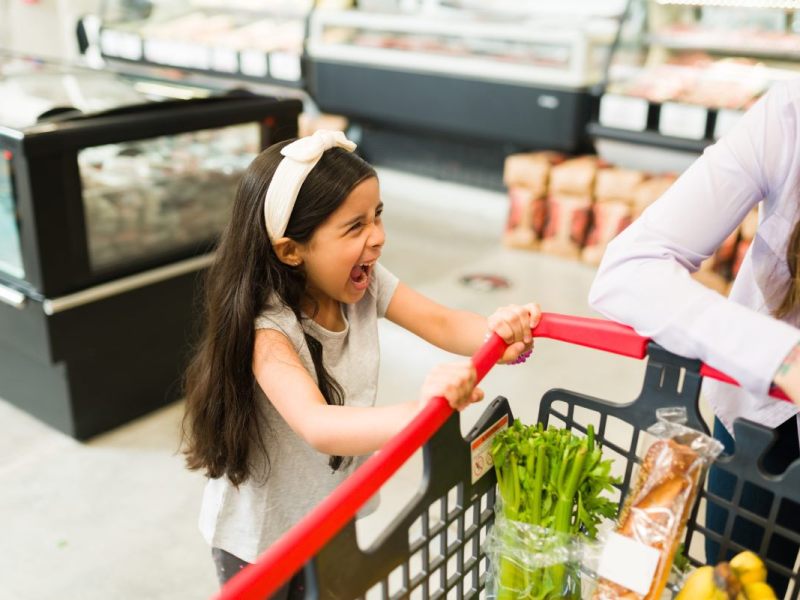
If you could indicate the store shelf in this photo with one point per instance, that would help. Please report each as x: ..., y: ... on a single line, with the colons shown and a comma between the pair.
x: 682, y: 73
x: 548, y: 51
x: 648, y: 138
x: 275, y: 68
x: 254, y: 41
x: 756, y: 49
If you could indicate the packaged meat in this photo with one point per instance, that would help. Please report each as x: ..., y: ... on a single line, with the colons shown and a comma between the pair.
x: 662, y: 497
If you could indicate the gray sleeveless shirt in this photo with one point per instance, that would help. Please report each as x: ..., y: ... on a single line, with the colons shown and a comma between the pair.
x: 245, y: 521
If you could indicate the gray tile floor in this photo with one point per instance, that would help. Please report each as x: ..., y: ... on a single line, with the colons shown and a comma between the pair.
x: 115, y: 518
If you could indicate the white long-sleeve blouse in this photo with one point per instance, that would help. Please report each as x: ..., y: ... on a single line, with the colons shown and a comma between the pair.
x: 644, y: 279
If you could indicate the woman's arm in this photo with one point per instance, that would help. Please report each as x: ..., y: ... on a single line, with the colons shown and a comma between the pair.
x: 644, y: 279
x: 459, y: 331
x: 787, y: 377
x: 345, y: 430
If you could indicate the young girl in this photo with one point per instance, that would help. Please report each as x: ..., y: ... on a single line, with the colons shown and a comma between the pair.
x: 280, y: 395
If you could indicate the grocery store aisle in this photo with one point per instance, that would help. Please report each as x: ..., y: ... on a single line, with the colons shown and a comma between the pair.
x: 116, y: 517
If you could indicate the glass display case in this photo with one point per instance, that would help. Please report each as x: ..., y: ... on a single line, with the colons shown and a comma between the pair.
x: 111, y: 201
x: 249, y: 39
x: 10, y: 249
x: 139, y: 183
x: 683, y: 71
x: 463, y: 71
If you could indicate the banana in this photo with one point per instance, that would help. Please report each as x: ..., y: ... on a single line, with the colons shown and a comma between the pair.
x: 726, y: 581
x: 758, y: 590
x: 700, y: 586
x: 749, y: 568
x: 743, y: 578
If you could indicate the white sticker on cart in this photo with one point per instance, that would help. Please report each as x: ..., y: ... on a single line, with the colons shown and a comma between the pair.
x: 481, y: 449
x: 683, y: 120
x: 623, y: 112
x: 628, y: 563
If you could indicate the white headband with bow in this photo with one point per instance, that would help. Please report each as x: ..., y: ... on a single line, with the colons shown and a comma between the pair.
x: 300, y: 157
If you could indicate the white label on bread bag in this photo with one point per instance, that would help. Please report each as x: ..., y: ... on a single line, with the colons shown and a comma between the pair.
x: 481, y: 449
x: 623, y: 112
x: 683, y: 120
x: 628, y: 563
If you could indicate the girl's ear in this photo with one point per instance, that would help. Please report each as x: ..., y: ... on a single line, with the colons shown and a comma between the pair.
x: 287, y: 251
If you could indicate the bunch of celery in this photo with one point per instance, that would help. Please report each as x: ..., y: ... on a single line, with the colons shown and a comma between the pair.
x: 551, y: 479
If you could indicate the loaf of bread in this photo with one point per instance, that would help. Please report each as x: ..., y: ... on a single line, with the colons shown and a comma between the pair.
x: 574, y: 177
x: 608, y: 220
x: 656, y: 511
x: 530, y: 170
x: 649, y: 191
x: 567, y: 225
x: 617, y: 185
x: 526, y: 217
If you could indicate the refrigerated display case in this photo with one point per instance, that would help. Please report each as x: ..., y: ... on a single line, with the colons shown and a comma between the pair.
x: 458, y: 71
x: 468, y: 85
x: 683, y: 71
x: 252, y: 40
x: 110, y: 204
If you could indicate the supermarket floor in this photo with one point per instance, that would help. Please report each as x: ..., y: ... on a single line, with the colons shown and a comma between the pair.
x: 115, y: 518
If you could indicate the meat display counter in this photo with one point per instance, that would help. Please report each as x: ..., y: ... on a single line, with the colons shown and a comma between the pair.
x: 110, y: 205
x: 256, y: 40
x: 488, y: 82
x: 682, y: 72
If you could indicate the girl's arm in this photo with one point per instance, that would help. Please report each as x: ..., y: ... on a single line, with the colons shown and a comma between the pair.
x: 345, y: 430
x: 644, y: 278
x: 459, y: 331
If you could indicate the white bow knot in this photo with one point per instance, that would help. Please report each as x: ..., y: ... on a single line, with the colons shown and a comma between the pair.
x: 300, y: 157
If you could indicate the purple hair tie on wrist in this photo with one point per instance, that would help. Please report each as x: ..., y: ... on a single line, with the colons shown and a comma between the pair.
x: 522, y: 357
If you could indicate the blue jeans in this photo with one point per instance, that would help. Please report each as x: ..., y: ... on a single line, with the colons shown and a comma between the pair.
x: 758, y: 501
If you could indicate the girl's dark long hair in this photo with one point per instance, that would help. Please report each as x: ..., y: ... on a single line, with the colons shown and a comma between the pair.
x: 222, y: 424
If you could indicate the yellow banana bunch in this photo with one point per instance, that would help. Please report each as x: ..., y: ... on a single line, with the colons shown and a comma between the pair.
x: 743, y: 578
x: 748, y: 567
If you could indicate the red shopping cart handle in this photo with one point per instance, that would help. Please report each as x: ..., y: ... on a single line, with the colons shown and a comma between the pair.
x: 601, y: 334
x: 307, y: 537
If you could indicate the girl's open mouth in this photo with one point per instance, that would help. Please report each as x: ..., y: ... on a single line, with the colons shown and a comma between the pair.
x: 359, y: 275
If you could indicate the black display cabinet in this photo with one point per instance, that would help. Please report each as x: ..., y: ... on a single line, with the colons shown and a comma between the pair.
x: 110, y: 204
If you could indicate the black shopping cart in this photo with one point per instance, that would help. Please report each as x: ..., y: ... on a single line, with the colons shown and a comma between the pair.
x: 434, y: 548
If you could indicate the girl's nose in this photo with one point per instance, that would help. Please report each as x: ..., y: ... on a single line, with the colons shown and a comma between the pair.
x: 377, y: 235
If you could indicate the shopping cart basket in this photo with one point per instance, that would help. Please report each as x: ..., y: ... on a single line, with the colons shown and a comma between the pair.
x: 434, y: 548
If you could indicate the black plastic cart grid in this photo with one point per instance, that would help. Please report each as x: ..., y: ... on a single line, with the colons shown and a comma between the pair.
x: 434, y: 549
